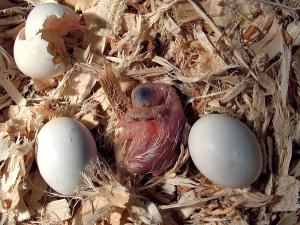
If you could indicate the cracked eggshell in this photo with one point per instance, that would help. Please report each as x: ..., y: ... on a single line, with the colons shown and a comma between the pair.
x: 31, y: 52
x: 64, y: 148
x: 225, y: 151
x: 33, y: 59
x: 37, y: 17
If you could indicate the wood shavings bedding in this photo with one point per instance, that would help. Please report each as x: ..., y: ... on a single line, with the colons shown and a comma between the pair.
x: 236, y: 57
x: 108, y: 21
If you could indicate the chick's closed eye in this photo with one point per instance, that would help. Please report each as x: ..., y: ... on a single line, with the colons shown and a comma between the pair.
x: 142, y: 96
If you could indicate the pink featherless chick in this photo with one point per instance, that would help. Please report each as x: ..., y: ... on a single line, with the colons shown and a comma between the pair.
x: 153, y: 128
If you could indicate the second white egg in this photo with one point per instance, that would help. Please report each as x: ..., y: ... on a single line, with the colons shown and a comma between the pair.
x: 225, y: 151
x: 64, y: 148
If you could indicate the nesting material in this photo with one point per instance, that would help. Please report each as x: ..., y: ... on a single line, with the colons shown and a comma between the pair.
x: 238, y: 57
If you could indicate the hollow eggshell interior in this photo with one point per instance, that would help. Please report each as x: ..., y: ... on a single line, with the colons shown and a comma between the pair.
x: 33, y: 59
x: 37, y: 17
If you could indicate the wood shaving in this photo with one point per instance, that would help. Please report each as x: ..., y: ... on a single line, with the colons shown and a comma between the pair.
x: 187, y: 212
x: 90, y: 209
x: 239, y: 57
x: 285, y: 71
x: 80, y: 5
x: 288, y: 189
x: 117, y: 99
x: 105, y: 17
x: 272, y: 43
x: 78, y: 87
x: 289, y: 219
x: 57, y: 211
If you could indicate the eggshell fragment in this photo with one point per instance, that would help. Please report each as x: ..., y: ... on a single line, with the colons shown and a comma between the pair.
x: 225, y: 151
x: 33, y: 58
x: 64, y: 148
x: 39, y: 14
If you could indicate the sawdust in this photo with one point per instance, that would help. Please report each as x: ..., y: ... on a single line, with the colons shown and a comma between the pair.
x: 239, y: 57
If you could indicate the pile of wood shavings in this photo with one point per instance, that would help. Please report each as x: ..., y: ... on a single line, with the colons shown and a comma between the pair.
x: 239, y: 57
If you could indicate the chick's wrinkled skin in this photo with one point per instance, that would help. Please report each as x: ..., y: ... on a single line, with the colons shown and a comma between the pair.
x: 152, y: 128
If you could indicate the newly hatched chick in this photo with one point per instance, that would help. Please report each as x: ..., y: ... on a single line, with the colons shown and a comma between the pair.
x: 153, y: 128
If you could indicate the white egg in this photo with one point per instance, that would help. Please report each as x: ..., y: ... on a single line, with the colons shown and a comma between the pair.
x: 225, y: 151
x: 39, y: 14
x: 64, y: 148
x: 33, y: 59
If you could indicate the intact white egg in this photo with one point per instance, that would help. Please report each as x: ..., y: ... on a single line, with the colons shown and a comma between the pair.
x: 225, y: 151
x: 39, y: 14
x: 33, y: 59
x: 64, y: 148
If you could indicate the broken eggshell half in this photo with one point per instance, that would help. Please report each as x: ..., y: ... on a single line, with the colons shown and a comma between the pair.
x: 39, y: 49
x: 33, y: 59
x: 36, y: 19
